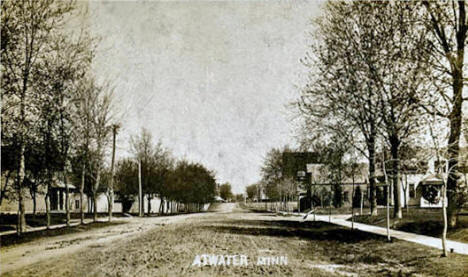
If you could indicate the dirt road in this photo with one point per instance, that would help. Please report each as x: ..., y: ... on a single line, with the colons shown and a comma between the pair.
x: 174, y: 246
x: 23, y: 255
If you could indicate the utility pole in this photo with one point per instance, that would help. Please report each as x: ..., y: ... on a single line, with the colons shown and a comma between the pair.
x: 140, y: 194
x: 115, y: 127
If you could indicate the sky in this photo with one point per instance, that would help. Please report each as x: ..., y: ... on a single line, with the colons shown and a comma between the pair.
x: 211, y: 80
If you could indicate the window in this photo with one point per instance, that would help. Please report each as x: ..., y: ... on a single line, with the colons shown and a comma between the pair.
x: 77, y: 204
x: 412, y: 191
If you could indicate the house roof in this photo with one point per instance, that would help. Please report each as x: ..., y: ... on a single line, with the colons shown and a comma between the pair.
x: 297, y: 161
x: 319, y: 174
x: 433, y: 179
x: 60, y: 184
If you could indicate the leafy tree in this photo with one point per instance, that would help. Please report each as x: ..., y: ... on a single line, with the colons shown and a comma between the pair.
x: 126, y: 182
x: 252, y: 191
x: 225, y: 191
x: 239, y: 197
x: 191, y: 183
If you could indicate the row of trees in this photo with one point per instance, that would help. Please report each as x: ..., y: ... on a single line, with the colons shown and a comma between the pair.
x: 162, y: 176
x: 381, y: 75
x: 55, y: 116
x: 59, y: 122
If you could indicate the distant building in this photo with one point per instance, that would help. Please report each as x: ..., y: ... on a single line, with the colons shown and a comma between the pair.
x: 420, y: 185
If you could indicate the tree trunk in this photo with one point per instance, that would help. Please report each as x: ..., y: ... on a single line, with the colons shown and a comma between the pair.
x: 406, y: 194
x: 388, y: 209
x: 140, y: 192
x: 47, y: 204
x: 455, y: 127
x: 82, y: 192
x: 67, y: 198
x: 90, y: 202
x: 34, y: 203
x: 3, y: 188
x: 444, y: 231
x: 387, y: 196
x: 372, y: 182
x: 111, y: 183
x: 362, y: 201
x: 95, y: 207
x: 96, y: 186
x: 110, y: 203
x: 352, y: 206
x: 394, y: 145
x: 456, y: 60
x: 21, y: 208
x: 161, y: 204
x: 149, y: 204
x: 453, y: 152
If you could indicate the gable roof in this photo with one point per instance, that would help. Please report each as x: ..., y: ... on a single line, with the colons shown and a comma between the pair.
x: 297, y: 161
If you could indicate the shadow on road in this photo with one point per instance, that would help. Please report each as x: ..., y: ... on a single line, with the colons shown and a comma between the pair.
x: 14, y: 239
x: 283, y: 228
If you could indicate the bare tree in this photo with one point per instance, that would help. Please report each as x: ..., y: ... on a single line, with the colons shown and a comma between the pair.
x: 102, y: 126
x: 83, y: 135
x: 448, y: 23
x: 395, y: 63
x: 339, y: 98
x: 110, y: 188
x: 369, y: 74
x: 27, y: 28
x: 143, y: 150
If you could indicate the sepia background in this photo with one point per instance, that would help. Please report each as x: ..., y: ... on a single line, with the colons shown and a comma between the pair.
x: 211, y: 79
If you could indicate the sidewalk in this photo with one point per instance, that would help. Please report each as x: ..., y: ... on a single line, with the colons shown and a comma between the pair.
x: 73, y: 222
x: 458, y: 247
